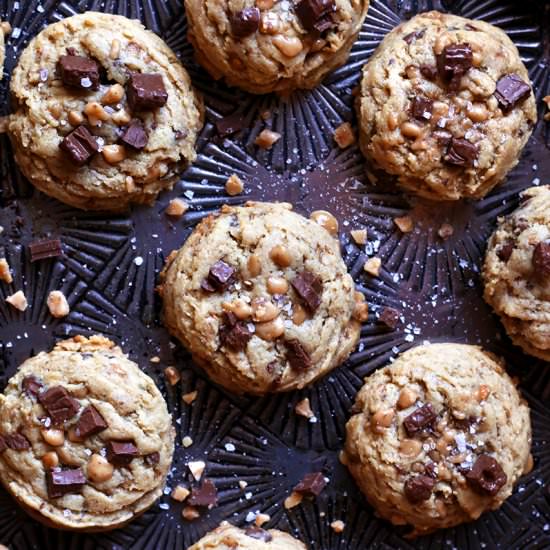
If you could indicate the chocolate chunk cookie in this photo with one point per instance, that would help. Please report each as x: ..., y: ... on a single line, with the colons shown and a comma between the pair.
x: 445, y: 106
x: 439, y: 437
x: 261, y: 298
x: 86, y: 440
x: 279, y: 45
x: 517, y: 272
x: 105, y: 115
x: 252, y: 538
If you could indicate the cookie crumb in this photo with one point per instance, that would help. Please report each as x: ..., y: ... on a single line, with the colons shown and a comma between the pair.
x: 359, y: 236
x: 57, y: 304
x: 155, y: 359
x: 361, y: 309
x: 190, y: 513
x: 261, y: 519
x: 234, y: 185
x: 303, y: 408
x: 18, y: 300
x: 176, y: 208
x: 445, y: 231
x: 5, y: 273
x: 189, y: 397
x: 372, y: 266
x: 344, y: 135
x: 187, y: 441
x: 293, y: 500
x: 338, y: 526
x: 197, y: 468
x: 172, y: 375
x: 404, y: 223
x: 267, y: 138
x: 180, y: 493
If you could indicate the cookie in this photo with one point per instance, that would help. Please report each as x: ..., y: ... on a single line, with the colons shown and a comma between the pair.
x: 445, y: 106
x: 104, y: 115
x: 438, y: 437
x: 516, y: 272
x: 228, y: 537
x: 86, y: 440
x: 261, y: 298
x: 273, y: 46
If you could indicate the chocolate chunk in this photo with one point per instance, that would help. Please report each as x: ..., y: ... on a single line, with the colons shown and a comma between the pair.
x: 78, y: 71
x: 121, y: 453
x: 152, y: 459
x: 220, y: 276
x: 428, y: 71
x: 203, y: 495
x: 90, y: 422
x: 315, y: 14
x: 413, y: 36
x: 59, y: 404
x: 541, y: 258
x: 245, y: 22
x: 146, y: 92
x: 309, y: 288
x: 234, y: 333
x: 17, y: 442
x: 511, y: 90
x: 420, y: 419
x: 486, y: 475
x: 230, y: 124
x: 297, y: 356
x: 3, y: 445
x: 389, y: 317
x: 258, y: 533
x: 42, y: 250
x: 421, y: 108
x: 80, y: 145
x: 431, y: 470
x: 31, y: 385
x: 60, y: 482
x: 460, y: 152
x: 312, y: 484
x: 135, y: 135
x: 505, y: 251
x: 419, y: 488
x: 453, y: 63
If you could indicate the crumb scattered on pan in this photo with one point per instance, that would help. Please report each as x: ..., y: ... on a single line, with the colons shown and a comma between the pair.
x: 404, y: 223
x: 187, y: 441
x: 267, y: 138
x: 234, y: 185
x: 359, y: 236
x: 344, y: 135
x: 18, y: 300
x: 180, y: 493
x: 338, y: 526
x: 5, y: 272
x: 172, y: 375
x: 372, y: 266
x: 197, y: 468
x: 57, y: 304
x: 176, y: 208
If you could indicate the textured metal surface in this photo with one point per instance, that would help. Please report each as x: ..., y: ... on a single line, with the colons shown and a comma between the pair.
x: 435, y: 284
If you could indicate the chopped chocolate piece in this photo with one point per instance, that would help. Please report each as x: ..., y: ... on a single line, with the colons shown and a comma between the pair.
x: 135, y: 135
x: 42, y: 250
x: 315, y: 14
x: 541, y: 258
x: 312, y: 484
x: 389, y: 317
x: 510, y: 91
x: 453, y: 63
x: 460, y: 152
x: 152, y: 459
x: 80, y: 145
x: 60, y: 482
x: 146, y: 92
x: 59, y: 404
x: 121, y: 453
x: 204, y: 495
x: 17, y: 442
x: 220, y: 276
x: 421, y: 108
x: 245, y: 22
x: 428, y: 71
x: 230, y: 124
x: 79, y: 71
x: 90, y: 422
x: 486, y: 475
x: 297, y: 356
x: 258, y: 533
x: 420, y: 419
x: 3, y: 444
x: 234, y: 333
x: 505, y: 251
x: 31, y: 385
x: 413, y: 36
x: 419, y: 488
x: 309, y: 288
x: 431, y: 470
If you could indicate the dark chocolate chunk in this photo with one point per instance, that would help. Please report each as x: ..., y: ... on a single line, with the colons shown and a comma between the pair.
x: 3, y: 444
x: 419, y: 488
x: 421, y: 108
x: 453, y: 63
x: 312, y: 484
x: 431, y: 470
x: 152, y: 459
x: 234, y: 333
x: 80, y: 145
x: 32, y: 386
x: 460, y: 152
x: 428, y: 71
x: 419, y: 419
x: 297, y: 356
x: 79, y: 71
x: 541, y: 258
x: 389, y: 317
x: 505, y: 251
x: 90, y: 422
x: 230, y: 124
x: 60, y: 482
x: 135, y: 135
x: 258, y: 533
x: 121, y: 453
x: 146, y: 92
x: 220, y: 276
x: 17, y: 442
x: 315, y: 14
x: 510, y: 91
x: 413, y: 36
x: 42, y: 250
x: 309, y: 288
x: 245, y: 22
x: 59, y: 404
x: 486, y: 475
x: 203, y: 495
